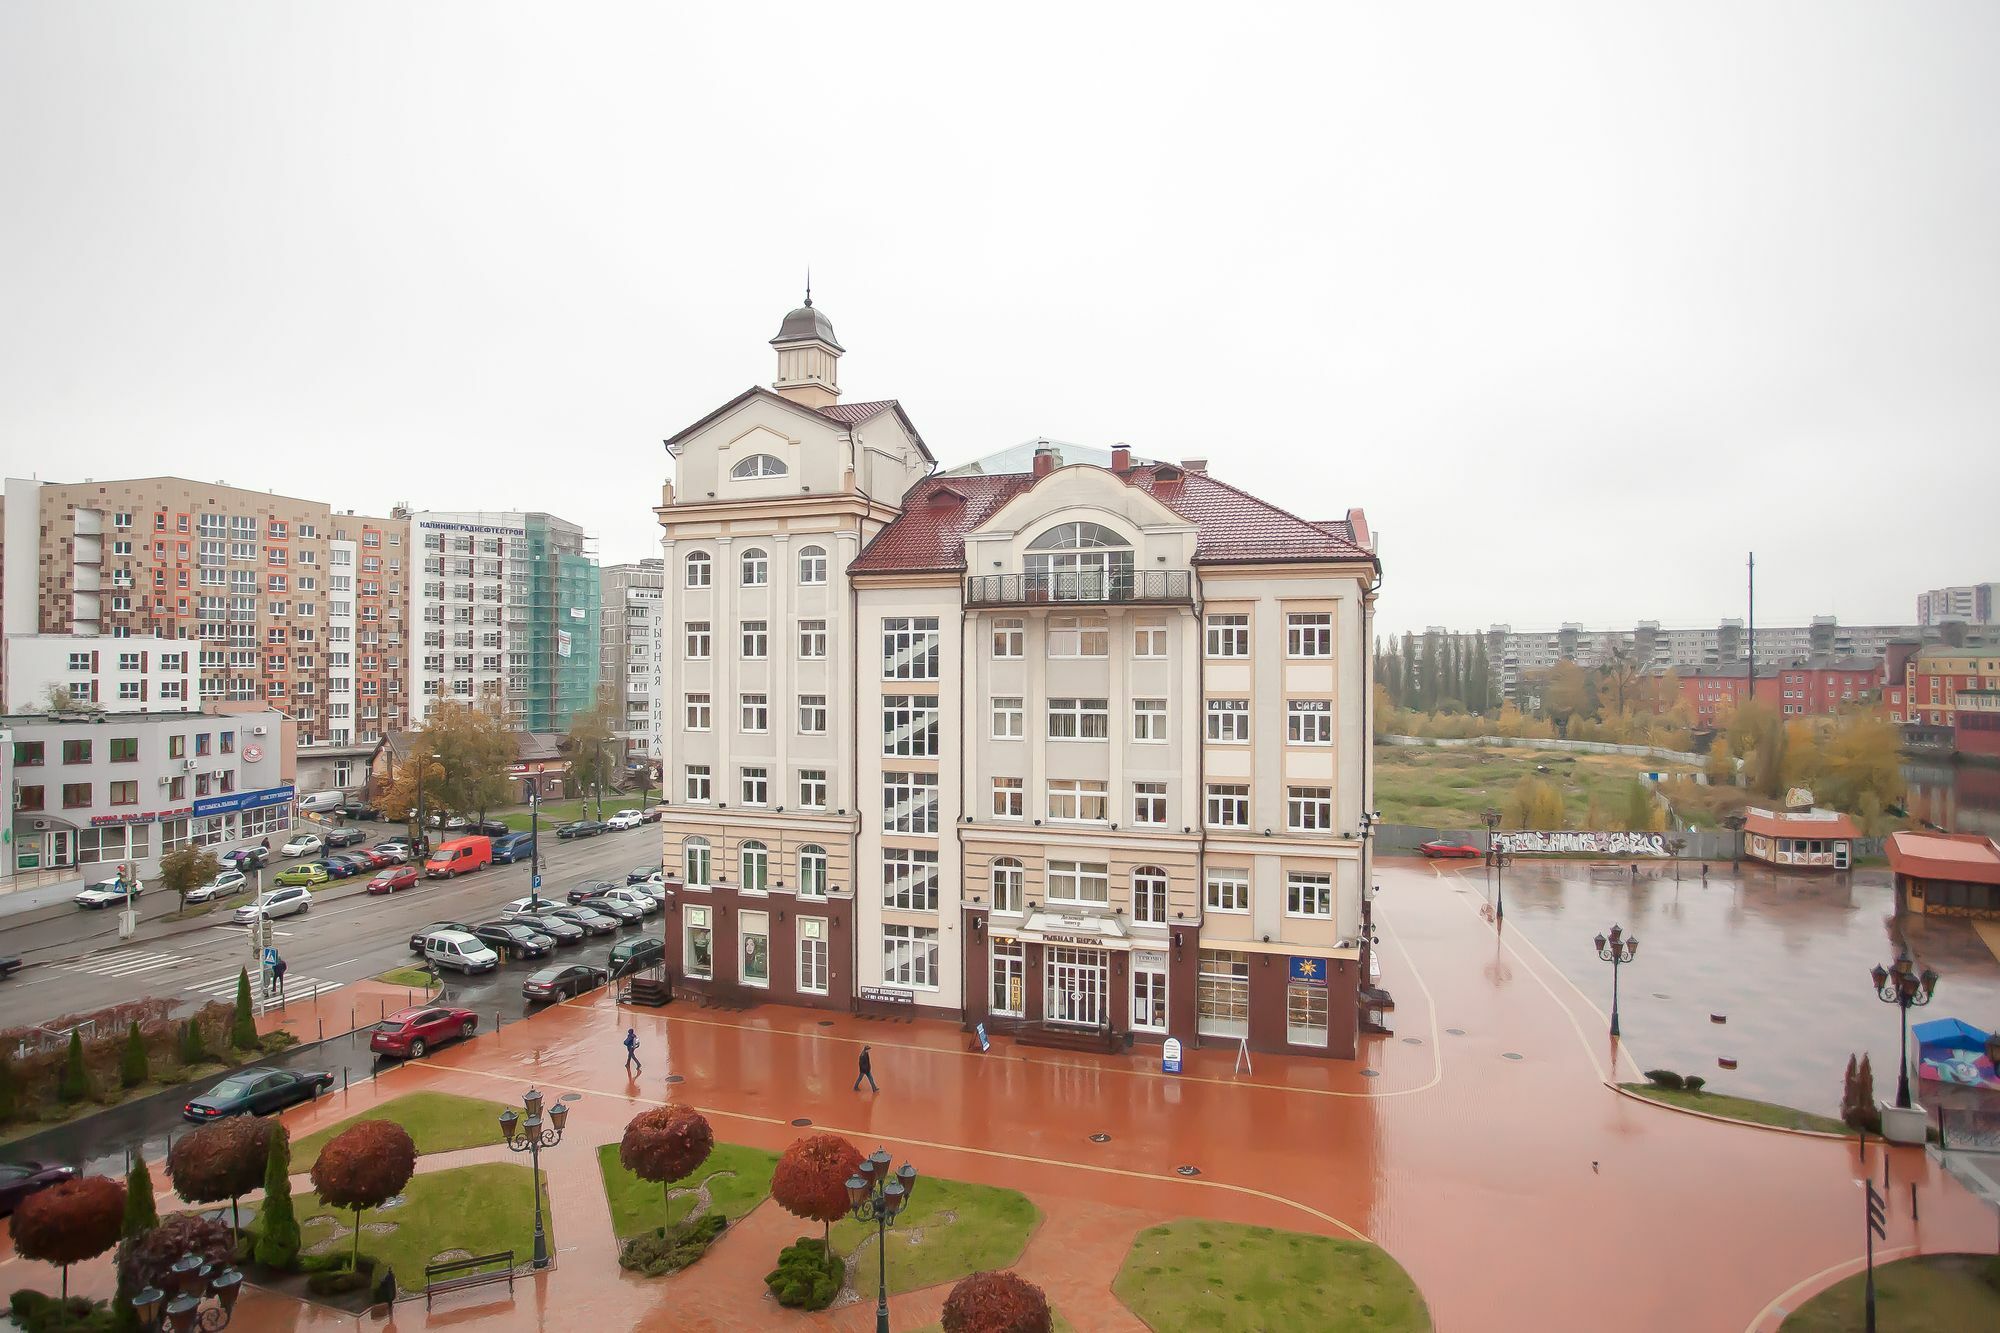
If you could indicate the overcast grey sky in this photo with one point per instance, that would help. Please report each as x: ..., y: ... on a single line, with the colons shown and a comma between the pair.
x: 1578, y: 300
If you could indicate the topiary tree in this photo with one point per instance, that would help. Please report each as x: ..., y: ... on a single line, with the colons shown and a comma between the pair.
x: 278, y: 1225
x: 1003, y: 1302
x: 666, y: 1144
x: 132, y: 1070
x: 69, y: 1222
x: 193, y: 1051
x: 141, y: 1216
x: 811, y: 1179
x: 147, y: 1260
x: 223, y: 1160
x: 243, y: 1030
x: 1848, y: 1087
x: 7, y: 1092
x: 364, y: 1167
x: 73, y: 1085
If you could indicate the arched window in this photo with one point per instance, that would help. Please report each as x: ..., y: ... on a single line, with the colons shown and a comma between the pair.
x: 755, y: 862
x: 1149, y: 896
x: 812, y: 565
x: 1079, y: 562
x: 1010, y: 879
x: 758, y: 465
x: 812, y: 871
x: 1077, y: 537
x: 695, y: 861
x: 700, y: 569
x: 756, y: 568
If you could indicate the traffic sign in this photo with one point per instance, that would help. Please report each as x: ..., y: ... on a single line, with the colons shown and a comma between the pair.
x: 270, y: 955
x: 535, y: 882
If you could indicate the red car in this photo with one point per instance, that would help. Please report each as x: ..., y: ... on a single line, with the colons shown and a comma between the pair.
x: 408, y: 1033
x: 375, y: 858
x: 389, y: 881
x: 1445, y: 849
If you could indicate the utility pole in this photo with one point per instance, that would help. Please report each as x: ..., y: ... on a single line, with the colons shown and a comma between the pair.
x: 1752, y: 677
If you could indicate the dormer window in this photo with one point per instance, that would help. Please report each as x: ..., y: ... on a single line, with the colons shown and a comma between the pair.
x: 758, y: 465
x: 1082, y: 562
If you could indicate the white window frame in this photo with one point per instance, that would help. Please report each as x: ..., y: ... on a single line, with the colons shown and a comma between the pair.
x: 756, y: 639
x: 1148, y: 907
x: 913, y: 637
x: 754, y: 568
x: 812, y: 715
x: 1309, y: 634
x: 812, y: 566
x: 1010, y: 639
x: 698, y: 570
x: 1149, y: 721
x: 699, y: 640
x: 1227, y: 805
x: 1149, y: 638
x: 899, y: 710
x: 910, y: 879
x: 754, y: 716
x: 1009, y: 718
x: 910, y: 956
x: 813, y: 870
x: 1079, y: 719
x: 699, y: 783
x: 1008, y: 879
x: 920, y: 791
x: 1309, y: 809
x: 1072, y: 882
x: 1309, y: 895
x: 700, y: 711
x: 1309, y: 721
x: 812, y: 788
x: 1149, y: 804
x: 812, y: 640
x: 1010, y: 798
x: 1228, y: 721
x: 1072, y: 638
x: 1078, y: 801
x: 1226, y: 889
x: 756, y: 786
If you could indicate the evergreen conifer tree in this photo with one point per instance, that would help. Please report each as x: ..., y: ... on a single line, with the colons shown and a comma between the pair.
x: 74, y: 1085
x: 132, y: 1070
x: 277, y: 1223
x: 243, y: 1030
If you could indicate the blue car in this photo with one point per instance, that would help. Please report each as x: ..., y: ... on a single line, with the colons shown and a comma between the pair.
x: 514, y: 847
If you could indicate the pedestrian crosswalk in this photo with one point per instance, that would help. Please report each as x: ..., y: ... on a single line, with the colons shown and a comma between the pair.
x: 298, y: 989
x: 122, y: 963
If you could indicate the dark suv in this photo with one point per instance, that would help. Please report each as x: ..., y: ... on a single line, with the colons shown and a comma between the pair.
x: 344, y: 837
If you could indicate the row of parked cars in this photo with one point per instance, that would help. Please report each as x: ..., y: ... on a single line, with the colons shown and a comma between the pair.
x: 535, y: 928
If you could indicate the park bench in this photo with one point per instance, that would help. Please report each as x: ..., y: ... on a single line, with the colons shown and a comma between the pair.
x: 438, y: 1278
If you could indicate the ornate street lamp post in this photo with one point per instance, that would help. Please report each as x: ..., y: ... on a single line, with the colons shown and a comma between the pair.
x: 531, y: 1138
x: 179, y: 1308
x: 1617, y: 949
x: 1492, y: 818
x: 874, y: 1194
x: 1677, y: 846
x: 1903, y: 986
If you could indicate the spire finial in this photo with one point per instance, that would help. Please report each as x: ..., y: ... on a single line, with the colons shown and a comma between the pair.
x: 809, y: 285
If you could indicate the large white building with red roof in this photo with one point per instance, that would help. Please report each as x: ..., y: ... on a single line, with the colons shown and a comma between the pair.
x: 1061, y: 742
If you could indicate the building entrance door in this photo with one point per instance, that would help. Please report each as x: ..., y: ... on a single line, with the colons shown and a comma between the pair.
x: 1076, y: 987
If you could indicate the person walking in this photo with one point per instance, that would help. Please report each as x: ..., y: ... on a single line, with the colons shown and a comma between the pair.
x: 632, y: 1051
x: 867, y: 1072
x: 278, y: 970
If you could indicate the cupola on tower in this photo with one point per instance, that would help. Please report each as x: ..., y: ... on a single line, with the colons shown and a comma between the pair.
x: 808, y: 357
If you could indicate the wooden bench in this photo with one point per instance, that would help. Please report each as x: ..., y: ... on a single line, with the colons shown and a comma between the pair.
x: 437, y: 1281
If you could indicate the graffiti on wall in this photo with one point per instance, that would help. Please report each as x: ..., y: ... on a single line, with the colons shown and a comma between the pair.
x: 1533, y: 841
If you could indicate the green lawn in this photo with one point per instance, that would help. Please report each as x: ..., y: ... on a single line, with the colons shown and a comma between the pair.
x: 637, y: 1207
x: 949, y: 1229
x: 1450, y: 788
x: 1229, y: 1278
x: 438, y: 1121
x: 1740, y: 1108
x: 407, y: 976
x: 479, y: 1209
x: 1932, y: 1293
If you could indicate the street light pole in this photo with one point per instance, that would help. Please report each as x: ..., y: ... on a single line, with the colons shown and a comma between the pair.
x: 1616, y: 949
x: 1902, y: 985
x: 531, y: 1138
x: 874, y: 1196
x: 534, y: 844
x: 1493, y: 853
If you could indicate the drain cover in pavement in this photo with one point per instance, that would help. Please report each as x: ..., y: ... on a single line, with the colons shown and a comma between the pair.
x: 1510, y: 1055
x: 1100, y: 1138
x: 1188, y: 1170
x: 570, y: 1097
x: 826, y: 1022
x: 1413, y: 1041
x: 801, y: 1123
x: 1661, y: 995
x: 1456, y: 1032
x: 1371, y: 1073
x: 675, y: 1078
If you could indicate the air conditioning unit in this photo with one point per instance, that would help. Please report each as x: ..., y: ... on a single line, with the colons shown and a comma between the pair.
x: 187, y: 765
x: 41, y: 825
x: 257, y: 731
x: 166, y: 782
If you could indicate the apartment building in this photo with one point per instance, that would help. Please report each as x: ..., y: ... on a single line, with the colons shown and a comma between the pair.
x: 642, y: 724
x: 1923, y: 685
x: 1074, y: 749
x: 1973, y: 603
x: 137, y: 674
x: 614, y: 581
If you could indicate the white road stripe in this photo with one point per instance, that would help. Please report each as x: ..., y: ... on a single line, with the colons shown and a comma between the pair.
x: 122, y: 964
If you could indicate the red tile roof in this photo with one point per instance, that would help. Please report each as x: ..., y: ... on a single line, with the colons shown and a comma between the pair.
x: 1232, y: 526
x: 1962, y: 858
x: 1800, y: 824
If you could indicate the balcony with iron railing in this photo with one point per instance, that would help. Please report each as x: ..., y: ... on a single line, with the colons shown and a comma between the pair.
x: 1082, y: 587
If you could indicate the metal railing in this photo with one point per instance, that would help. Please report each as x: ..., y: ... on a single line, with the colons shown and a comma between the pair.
x: 1080, y: 586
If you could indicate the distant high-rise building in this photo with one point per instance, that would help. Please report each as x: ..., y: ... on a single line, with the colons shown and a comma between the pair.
x: 1972, y: 603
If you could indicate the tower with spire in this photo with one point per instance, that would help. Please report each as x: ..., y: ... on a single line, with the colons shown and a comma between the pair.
x: 808, y: 356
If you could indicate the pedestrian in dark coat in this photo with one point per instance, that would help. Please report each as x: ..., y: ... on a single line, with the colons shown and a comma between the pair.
x: 867, y: 1072
x: 632, y: 1051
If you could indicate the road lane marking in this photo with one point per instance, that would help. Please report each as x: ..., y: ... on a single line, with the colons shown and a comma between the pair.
x: 121, y: 964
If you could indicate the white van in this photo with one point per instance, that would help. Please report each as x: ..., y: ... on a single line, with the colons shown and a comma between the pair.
x: 320, y: 802
x: 459, y: 951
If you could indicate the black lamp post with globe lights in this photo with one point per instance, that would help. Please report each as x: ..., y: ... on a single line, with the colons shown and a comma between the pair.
x: 531, y: 1138
x: 1903, y: 986
x: 179, y: 1308
x: 876, y: 1195
x: 1617, y: 949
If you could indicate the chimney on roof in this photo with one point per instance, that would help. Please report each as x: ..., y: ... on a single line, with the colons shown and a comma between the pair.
x: 1196, y: 465
x: 1045, y: 459
x: 1121, y: 457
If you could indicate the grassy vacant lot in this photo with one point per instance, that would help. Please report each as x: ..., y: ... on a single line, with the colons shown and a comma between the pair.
x: 1740, y: 1108
x: 1449, y: 788
x: 1932, y: 1293
x: 476, y: 1209
x: 438, y: 1121
x: 1228, y: 1278
x: 637, y: 1205
x: 948, y: 1229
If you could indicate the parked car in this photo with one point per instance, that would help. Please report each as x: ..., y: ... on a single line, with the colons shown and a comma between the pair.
x: 408, y: 1033
x: 345, y: 865
x: 257, y: 1092
x: 651, y: 814
x: 512, y: 939
x: 491, y: 828
x: 105, y: 892
x: 564, y: 982
x: 511, y: 847
x: 460, y: 950
x: 9, y: 966
x: 623, y: 912
x: 452, y: 822
x: 225, y: 883
x: 460, y: 856
x: 625, y: 819
x: 640, y: 874
x: 1450, y: 849
x: 20, y: 1179
x: 589, y: 888
x: 345, y: 837
x: 632, y: 955
x: 376, y: 860
x: 386, y: 855
x: 654, y: 888
x: 322, y: 802
x: 637, y: 899
x: 423, y: 933
x: 305, y: 844
x: 358, y: 810
x: 557, y: 929
x: 310, y: 873
x: 581, y: 828
x: 293, y: 900
x: 593, y: 922
x: 394, y: 881
x: 246, y: 858
x: 397, y: 844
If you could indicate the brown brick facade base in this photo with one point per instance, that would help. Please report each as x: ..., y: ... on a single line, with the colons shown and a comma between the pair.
x: 786, y: 917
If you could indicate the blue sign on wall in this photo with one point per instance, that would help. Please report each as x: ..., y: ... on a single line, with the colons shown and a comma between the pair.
x: 245, y: 800
x: 1309, y: 971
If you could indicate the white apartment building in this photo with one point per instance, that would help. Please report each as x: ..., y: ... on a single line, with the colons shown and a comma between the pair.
x: 141, y: 673
x: 641, y: 622
x: 1079, y: 751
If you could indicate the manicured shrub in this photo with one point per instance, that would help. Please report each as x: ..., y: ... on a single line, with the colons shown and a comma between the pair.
x: 221, y: 1160
x: 132, y: 1069
x: 278, y: 1223
x: 1665, y: 1078
x: 40, y: 1313
x: 1001, y: 1302
x: 670, y: 1249
x: 811, y: 1179
x: 243, y: 1025
x: 74, y: 1085
x: 1694, y: 1082
x: 69, y: 1222
x: 339, y: 1281
x: 666, y: 1144
x: 808, y: 1275
x: 364, y: 1167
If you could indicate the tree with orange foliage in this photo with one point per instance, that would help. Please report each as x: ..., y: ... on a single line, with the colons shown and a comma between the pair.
x: 811, y: 1179
x: 666, y: 1144
x: 69, y: 1222
x: 1002, y: 1302
x: 364, y: 1167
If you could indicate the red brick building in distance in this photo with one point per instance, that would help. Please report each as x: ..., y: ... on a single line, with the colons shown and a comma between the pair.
x: 1944, y: 695
x: 1802, y: 689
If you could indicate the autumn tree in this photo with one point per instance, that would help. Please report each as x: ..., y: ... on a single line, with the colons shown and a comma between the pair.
x: 69, y: 1222
x: 1860, y: 759
x: 418, y: 772
x: 473, y: 746
x: 1767, y: 770
x: 187, y: 869
x: 221, y: 1160
x: 1002, y: 1302
x: 1720, y: 764
x: 1566, y: 694
x: 278, y: 1224
x: 593, y: 749
x: 666, y: 1144
x: 811, y: 1179
x: 1535, y: 803
x: 364, y: 1167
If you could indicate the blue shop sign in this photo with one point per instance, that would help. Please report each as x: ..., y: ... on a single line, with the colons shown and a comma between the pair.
x: 1309, y: 971
x: 245, y: 800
